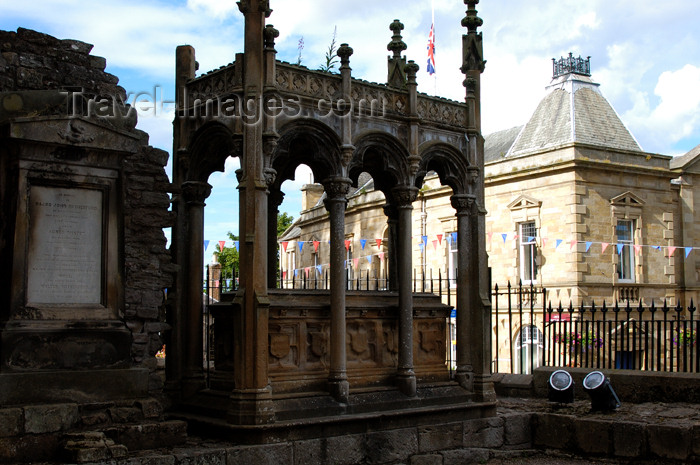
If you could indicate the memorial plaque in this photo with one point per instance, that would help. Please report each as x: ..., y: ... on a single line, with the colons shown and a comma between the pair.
x: 65, y: 246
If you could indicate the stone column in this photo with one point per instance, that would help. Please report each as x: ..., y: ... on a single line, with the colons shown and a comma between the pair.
x: 405, y: 376
x: 251, y: 401
x: 336, y: 191
x: 274, y: 200
x: 392, y: 219
x: 194, y: 193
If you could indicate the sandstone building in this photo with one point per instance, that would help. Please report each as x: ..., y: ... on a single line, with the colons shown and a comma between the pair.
x: 574, y: 205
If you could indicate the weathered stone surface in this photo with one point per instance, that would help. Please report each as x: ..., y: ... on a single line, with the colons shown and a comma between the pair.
x: 29, y: 448
x: 486, y: 433
x: 272, y: 454
x: 208, y: 457
x: 11, y: 422
x: 309, y: 451
x: 629, y: 439
x: 517, y: 431
x: 553, y: 431
x: 387, y: 446
x: 150, y: 408
x: 426, y: 459
x: 464, y: 456
x: 593, y: 436
x: 439, y: 437
x: 671, y: 442
x: 345, y: 450
x: 50, y: 418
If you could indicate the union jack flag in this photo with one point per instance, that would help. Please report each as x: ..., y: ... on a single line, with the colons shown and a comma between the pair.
x: 431, y: 50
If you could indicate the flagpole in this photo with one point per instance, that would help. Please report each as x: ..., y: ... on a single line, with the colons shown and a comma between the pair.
x: 432, y: 4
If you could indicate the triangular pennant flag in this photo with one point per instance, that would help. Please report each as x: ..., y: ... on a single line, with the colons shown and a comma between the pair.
x: 543, y: 241
x: 435, y: 244
x: 355, y: 262
x: 559, y: 241
x: 221, y: 245
x: 439, y: 236
x: 206, y: 244
x: 316, y: 243
x: 284, y: 275
x: 236, y: 244
x: 318, y: 268
x: 369, y: 259
x: 381, y: 256
x: 296, y: 273
x: 573, y: 243
x: 306, y: 271
x: 588, y: 245
x: 347, y: 244
x: 216, y: 283
x: 379, y: 242
x: 531, y: 238
x: 489, y: 235
x: 657, y: 247
x: 454, y: 237
x: 422, y: 247
x: 301, y: 245
x: 362, y: 243
x: 504, y: 236
x: 515, y: 237
x: 284, y: 245
x: 671, y: 249
x: 687, y: 251
x: 619, y: 248
x: 638, y: 249
x: 425, y: 239
x: 604, y: 245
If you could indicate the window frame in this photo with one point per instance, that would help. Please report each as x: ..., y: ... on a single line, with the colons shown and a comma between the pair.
x: 532, y: 245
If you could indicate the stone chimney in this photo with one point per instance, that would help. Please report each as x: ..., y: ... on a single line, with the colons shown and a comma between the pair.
x: 310, y: 195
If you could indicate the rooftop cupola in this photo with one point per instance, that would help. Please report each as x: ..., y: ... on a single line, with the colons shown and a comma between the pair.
x: 570, y: 65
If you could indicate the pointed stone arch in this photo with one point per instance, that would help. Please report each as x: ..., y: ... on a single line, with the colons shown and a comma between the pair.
x: 384, y: 157
x: 211, y: 145
x: 449, y: 163
x: 308, y: 142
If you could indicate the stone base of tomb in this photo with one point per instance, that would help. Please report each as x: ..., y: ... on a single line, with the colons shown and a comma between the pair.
x: 318, y: 415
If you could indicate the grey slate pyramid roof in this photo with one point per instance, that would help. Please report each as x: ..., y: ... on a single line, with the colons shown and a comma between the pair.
x: 573, y: 111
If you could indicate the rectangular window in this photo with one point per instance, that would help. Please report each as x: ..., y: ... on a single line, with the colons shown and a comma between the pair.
x: 528, y: 252
x: 625, y: 250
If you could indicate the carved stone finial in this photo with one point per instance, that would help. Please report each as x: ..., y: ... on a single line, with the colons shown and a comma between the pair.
x: 344, y: 52
x: 397, y: 45
x: 270, y: 34
x: 263, y: 6
x: 472, y: 21
x: 411, y: 69
x: 472, y: 45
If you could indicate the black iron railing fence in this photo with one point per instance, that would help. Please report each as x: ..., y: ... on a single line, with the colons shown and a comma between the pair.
x: 652, y: 337
x: 528, y: 332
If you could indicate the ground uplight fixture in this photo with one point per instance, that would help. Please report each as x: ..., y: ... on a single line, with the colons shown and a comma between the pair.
x: 561, y: 387
x: 603, y: 396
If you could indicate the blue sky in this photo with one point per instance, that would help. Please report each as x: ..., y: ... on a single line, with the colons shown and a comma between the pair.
x: 645, y: 54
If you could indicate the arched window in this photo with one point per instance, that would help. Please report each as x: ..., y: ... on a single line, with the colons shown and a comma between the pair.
x: 528, y: 349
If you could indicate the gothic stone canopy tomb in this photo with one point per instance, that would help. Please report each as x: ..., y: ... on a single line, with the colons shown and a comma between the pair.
x: 285, y: 355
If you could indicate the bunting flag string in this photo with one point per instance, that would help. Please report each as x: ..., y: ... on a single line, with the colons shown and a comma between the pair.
x: 451, y: 238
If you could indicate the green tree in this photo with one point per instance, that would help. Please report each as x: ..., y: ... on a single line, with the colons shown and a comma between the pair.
x: 283, y: 221
x: 228, y: 258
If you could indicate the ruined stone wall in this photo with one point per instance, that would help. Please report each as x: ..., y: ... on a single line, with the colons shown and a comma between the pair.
x: 30, y: 60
